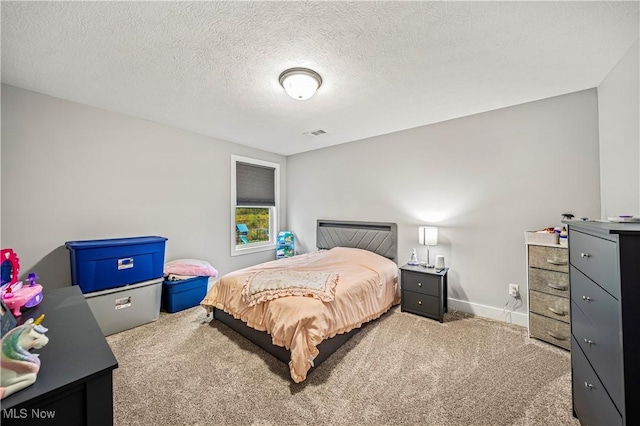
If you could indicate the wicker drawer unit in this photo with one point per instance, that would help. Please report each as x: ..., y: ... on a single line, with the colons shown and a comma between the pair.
x: 549, y: 303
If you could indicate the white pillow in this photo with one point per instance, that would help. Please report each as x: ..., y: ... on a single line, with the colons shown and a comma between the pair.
x: 190, y: 267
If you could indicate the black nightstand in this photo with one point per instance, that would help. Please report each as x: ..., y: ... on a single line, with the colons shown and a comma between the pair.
x: 424, y: 291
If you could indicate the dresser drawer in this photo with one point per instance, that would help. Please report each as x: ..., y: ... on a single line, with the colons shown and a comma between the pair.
x: 551, y: 258
x: 421, y: 283
x: 597, y: 258
x: 550, y: 282
x: 601, y: 344
x: 550, y: 330
x: 421, y: 304
x: 590, y: 399
x: 599, y: 306
x: 549, y: 305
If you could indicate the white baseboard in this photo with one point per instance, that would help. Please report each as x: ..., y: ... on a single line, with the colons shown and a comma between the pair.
x: 507, y: 316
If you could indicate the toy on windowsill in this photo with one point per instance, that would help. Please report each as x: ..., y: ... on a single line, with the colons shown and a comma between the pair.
x: 17, y: 295
x: 19, y: 367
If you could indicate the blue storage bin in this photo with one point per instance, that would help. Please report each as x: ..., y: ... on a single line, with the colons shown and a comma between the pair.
x: 183, y: 294
x: 103, y: 264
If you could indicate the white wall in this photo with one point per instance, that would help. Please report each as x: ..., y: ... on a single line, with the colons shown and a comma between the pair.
x: 483, y: 180
x: 72, y: 172
x: 619, y: 122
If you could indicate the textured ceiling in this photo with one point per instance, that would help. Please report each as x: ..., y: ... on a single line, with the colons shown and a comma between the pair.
x: 213, y: 67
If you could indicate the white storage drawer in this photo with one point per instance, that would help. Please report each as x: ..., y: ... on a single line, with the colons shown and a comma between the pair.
x: 126, y: 307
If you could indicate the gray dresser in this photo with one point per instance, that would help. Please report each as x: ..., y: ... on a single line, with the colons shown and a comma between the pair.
x: 548, y: 282
x: 604, y: 279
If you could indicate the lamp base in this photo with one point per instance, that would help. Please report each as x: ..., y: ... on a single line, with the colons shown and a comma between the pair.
x: 427, y: 264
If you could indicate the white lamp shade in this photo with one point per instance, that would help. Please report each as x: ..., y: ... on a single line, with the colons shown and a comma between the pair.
x: 428, y: 235
x: 300, y: 83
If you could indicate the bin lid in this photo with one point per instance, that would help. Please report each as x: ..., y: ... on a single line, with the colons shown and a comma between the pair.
x: 171, y: 283
x: 111, y: 242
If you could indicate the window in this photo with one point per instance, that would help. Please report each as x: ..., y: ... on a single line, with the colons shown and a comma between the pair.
x: 254, y: 205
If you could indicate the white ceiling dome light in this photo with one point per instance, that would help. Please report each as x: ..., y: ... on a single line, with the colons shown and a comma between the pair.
x: 300, y: 83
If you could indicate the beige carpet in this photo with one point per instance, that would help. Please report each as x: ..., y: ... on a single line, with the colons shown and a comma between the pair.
x: 401, y: 370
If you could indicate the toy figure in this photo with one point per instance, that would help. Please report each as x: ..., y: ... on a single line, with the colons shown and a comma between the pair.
x: 10, y: 266
x: 16, y: 296
x: 414, y: 258
x: 19, y: 367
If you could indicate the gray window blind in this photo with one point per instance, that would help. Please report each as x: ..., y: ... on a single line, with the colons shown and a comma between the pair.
x: 255, y: 185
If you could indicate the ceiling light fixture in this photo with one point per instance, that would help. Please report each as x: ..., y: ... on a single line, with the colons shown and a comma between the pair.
x: 300, y: 83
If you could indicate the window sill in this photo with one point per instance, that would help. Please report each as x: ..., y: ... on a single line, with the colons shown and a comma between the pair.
x: 241, y: 250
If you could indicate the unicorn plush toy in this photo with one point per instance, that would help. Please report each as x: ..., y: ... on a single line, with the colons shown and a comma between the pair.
x: 19, y: 366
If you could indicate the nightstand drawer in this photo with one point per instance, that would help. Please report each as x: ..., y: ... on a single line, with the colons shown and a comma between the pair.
x: 550, y: 330
x: 596, y: 258
x: 550, y: 282
x: 551, y: 258
x: 549, y: 305
x: 591, y: 401
x: 421, y: 283
x: 421, y: 304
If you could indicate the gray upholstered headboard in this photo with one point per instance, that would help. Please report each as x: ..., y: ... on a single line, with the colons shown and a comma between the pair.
x: 378, y: 237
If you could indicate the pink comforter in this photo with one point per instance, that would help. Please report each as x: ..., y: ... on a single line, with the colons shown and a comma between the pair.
x: 367, y: 288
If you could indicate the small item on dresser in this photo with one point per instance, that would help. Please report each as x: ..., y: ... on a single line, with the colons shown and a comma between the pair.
x: 19, y: 366
x: 414, y: 258
x: 10, y: 266
x: 564, y: 237
x: 547, y: 236
x: 624, y: 218
x: 439, y: 263
x: 17, y: 296
x: 8, y: 320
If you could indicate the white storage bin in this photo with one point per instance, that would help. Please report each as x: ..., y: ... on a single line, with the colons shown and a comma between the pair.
x: 541, y: 238
x: 122, y: 308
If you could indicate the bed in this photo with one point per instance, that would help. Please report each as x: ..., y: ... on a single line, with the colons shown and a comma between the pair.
x: 302, y: 309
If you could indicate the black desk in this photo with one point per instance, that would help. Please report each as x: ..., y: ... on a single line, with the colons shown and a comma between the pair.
x: 75, y: 379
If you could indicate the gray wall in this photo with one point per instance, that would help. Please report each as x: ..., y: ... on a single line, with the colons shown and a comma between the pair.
x: 483, y: 180
x: 619, y: 113
x: 72, y: 172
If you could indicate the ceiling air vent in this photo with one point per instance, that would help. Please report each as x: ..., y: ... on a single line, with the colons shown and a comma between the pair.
x: 315, y: 133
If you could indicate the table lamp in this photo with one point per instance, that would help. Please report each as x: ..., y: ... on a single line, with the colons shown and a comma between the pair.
x: 428, y: 236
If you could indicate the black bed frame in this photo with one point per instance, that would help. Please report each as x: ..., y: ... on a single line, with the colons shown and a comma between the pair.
x: 378, y: 237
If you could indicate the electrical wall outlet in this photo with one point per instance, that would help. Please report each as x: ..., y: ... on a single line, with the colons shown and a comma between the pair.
x: 514, y: 290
